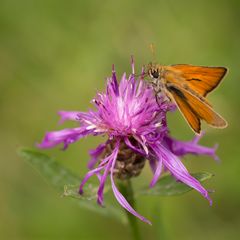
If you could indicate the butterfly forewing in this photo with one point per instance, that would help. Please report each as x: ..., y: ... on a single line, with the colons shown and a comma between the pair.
x: 200, y: 79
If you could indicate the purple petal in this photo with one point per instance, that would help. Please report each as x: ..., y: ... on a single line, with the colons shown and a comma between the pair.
x: 66, y: 136
x: 152, y: 163
x: 95, y: 154
x: 73, y: 115
x: 142, y: 142
x: 95, y: 171
x: 175, y: 167
x: 132, y: 64
x: 110, y: 159
x: 181, y: 148
x: 134, y: 148
x: 120, y: 198
x: 114, y: 82
x: 157, y: 173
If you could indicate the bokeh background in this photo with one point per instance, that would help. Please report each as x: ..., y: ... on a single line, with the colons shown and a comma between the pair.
x: 56, y: 54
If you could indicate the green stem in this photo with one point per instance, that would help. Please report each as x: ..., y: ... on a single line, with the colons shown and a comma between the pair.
x: 127, y: 191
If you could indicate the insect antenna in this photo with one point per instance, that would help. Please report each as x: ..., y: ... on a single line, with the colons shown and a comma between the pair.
x: 153, y: 51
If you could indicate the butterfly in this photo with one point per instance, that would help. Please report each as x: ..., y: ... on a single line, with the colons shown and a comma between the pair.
x: 187, y: 86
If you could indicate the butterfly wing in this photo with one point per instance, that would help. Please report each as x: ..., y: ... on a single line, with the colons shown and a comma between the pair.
x: 194, y: 109
x: 201, y: 80
x: 188, y: 113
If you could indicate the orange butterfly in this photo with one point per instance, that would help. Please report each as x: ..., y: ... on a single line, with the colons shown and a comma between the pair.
x: 187, y: 86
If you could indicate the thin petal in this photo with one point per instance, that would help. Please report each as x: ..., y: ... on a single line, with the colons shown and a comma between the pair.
x: 157, y: 173
x: 95, y: 154
x: 175, y: 166
x: 152, y: 163
x: 114, y: 82
x: 66, y: 136
x: 181, y: 148
x: 65, y: 115
x: 95, y: 171
x: 132, y: 64
x: 120, y: 198
x: 109, y: 161
x: 142, y: 144
x: 134, y: 148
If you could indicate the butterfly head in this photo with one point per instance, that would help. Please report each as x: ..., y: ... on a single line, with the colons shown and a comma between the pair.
x: 153, y: 70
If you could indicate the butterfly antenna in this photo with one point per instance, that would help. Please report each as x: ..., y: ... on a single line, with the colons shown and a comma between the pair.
x: 153, y: 51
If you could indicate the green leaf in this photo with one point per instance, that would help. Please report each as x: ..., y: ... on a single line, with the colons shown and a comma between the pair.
x: 90, y: 191
x: 67, y: 183
x: 168, y: 186
x: 54, y: 173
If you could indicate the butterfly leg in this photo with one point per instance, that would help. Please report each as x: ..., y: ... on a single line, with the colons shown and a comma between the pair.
x: 157, y: 99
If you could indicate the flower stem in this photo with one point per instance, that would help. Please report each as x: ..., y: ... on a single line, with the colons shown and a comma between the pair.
x: 127, y: 191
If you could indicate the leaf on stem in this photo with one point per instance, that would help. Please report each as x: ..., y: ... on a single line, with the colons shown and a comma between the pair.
x: 169, y: 186
x: 67, y: 184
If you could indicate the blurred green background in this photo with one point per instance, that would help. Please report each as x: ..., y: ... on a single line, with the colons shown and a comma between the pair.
x: 55, y: 55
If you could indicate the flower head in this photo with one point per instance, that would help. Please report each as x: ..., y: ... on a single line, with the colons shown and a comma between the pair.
x: 136, y: 129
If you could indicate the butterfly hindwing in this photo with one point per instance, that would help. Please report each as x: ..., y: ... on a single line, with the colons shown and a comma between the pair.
x: 194, y: 109
x: 190, y: 116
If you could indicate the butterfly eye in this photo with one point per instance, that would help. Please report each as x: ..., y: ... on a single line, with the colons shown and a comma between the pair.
x: 155, y: 74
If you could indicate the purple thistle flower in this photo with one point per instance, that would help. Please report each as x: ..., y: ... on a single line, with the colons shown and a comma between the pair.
x: 136, y: 127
